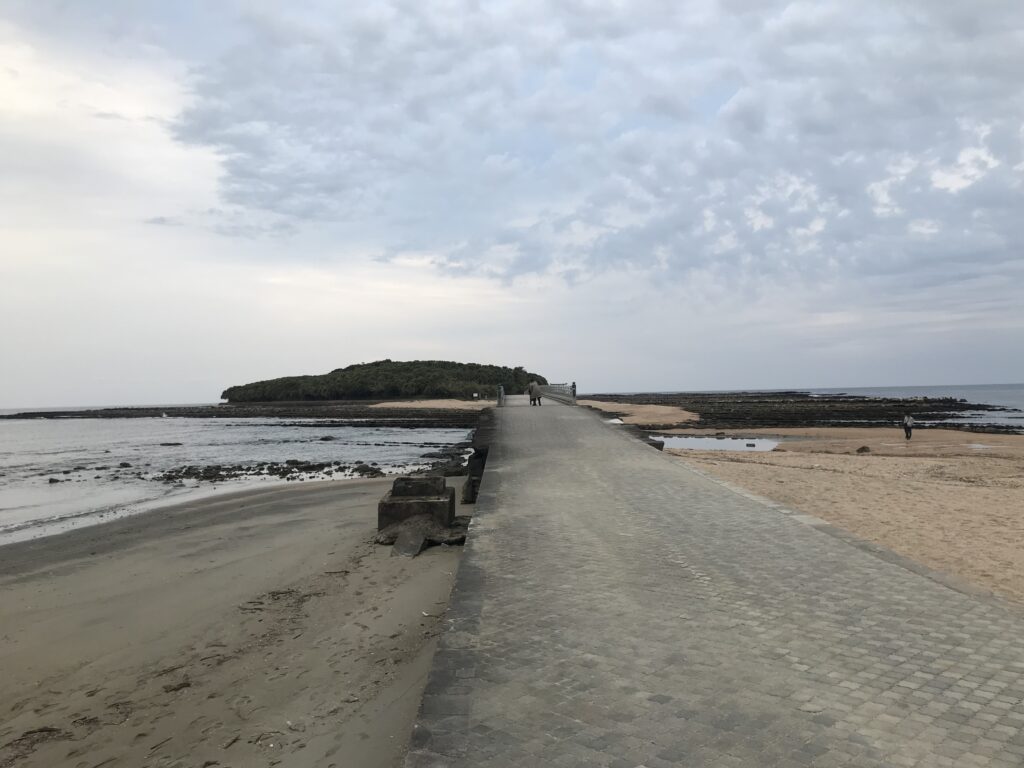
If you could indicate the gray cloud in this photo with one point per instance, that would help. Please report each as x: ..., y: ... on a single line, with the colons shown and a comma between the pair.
x: 806, y: 139
x: 841, y: 171
x: 163, y: 221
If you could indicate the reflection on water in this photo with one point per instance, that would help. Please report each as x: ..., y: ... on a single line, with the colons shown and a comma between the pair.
x: 719, y: 443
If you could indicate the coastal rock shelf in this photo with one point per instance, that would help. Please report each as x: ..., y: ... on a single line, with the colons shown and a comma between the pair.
x: 290, y: 470
x: 737, y: 410
x: 448, y: 462
x: 340, y: 413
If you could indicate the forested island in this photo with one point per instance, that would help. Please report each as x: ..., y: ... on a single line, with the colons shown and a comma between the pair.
x: 388, y: 379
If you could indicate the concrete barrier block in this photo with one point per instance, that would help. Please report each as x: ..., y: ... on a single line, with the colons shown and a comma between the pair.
x: 418, y: 486
x: 394, y: 509
x: 409, y: 544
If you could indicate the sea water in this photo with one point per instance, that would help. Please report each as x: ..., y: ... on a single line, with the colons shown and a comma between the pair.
x: 85, y: 456
x: 1009, y: 396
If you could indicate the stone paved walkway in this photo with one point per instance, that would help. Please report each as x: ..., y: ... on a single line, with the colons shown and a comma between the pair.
x: 614, y: 608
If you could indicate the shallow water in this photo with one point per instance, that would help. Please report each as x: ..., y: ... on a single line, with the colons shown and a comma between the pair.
x: 85, y: 454
x: 719, y: 443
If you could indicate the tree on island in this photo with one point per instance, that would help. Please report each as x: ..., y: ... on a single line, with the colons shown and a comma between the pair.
x: 388, y: 379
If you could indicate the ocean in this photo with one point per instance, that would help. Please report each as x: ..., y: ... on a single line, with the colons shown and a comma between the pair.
x: 57, y: 474
x: 1006, y: 395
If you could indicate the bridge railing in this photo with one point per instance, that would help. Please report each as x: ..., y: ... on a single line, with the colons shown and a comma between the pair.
x: 563, y: 393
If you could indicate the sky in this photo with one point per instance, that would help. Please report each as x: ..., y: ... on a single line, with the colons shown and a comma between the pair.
x: 638, y: 196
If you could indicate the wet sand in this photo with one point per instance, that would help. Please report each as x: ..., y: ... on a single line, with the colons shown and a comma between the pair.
x: 253, y: 629
x: 951, y: 500
x: 642, y: 415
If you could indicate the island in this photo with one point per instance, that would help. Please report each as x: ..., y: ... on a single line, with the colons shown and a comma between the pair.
x: 388, y: 379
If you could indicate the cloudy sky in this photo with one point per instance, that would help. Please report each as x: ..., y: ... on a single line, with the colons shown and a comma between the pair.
x: 640, y: 195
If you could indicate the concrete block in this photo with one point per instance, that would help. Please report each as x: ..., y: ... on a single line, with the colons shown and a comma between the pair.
x: 394, y: 509
x: 418, y: 486
x: 476, y: 471
x: 409, y: 544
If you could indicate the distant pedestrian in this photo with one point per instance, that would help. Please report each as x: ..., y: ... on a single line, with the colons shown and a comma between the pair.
x: 908, y: 425
x: 534, y: 393
x: 574, y: 390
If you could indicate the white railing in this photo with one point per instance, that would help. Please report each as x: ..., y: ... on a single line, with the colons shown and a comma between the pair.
x: 563, y: 393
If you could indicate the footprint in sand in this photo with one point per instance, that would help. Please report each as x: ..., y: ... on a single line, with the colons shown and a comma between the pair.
x: 19, y: 705
x: 26, y: 744
x: 243, y: 707
x: 87, y: 722
x: 213, y: 727
x: 118, y: 712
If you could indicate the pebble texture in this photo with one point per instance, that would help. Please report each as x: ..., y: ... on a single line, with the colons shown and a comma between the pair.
x: 614, y: 608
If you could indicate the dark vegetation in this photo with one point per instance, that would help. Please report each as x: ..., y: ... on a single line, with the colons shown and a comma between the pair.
x: 386, y: 379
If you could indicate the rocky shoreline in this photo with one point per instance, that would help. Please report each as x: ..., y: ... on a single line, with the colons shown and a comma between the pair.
x: 341, y: 413
x: 449, y: 461
x: 743, y: 410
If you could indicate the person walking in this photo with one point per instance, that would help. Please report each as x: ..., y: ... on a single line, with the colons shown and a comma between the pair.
x: 908, y: 425
x: 534, y: 393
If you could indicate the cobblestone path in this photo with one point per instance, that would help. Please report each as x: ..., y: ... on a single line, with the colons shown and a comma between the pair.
x: 614, y: 608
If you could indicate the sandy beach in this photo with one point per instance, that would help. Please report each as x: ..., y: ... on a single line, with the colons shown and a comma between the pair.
x: 254, y: 629
x: 642, y: 414
x: 445, y: 404
x: 953, y: 501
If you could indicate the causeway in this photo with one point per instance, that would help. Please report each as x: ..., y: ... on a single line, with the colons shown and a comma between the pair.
x: 615, y: 608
